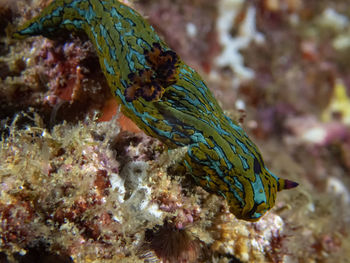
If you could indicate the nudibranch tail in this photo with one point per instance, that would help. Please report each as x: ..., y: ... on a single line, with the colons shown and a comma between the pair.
x: 46, y: 24
x: 168, y: 100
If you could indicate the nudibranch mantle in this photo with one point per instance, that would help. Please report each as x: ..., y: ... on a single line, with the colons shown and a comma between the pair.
x: 168, y: 100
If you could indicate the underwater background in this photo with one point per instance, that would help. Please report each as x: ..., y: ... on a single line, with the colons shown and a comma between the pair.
x: 80, y: 182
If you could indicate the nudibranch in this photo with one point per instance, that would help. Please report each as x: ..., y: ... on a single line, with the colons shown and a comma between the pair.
x: 168, y: 100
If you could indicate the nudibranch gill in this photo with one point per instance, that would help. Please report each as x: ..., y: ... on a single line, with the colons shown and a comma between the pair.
x: 168, y: 100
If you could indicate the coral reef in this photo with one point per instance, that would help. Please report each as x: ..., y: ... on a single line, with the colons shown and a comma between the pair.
x: 78, y: 186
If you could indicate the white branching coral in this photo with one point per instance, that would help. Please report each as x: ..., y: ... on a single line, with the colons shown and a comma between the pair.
x: 246, y: 30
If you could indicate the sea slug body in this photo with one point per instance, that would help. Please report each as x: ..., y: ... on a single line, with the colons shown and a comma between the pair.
x: 168, y: 100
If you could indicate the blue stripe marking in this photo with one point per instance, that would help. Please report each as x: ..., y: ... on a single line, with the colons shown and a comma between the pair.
x: 115, y: 13
x: 155, y: 35
x: 129, y: 9
x: 142, y: 43
x: 238, y: 183
x: 244, y: 162
x: 233, y: 148
x: 110, y: 46
x: 77, y: 23
x: 109, y: 69
x: 96, y: 39
x: 32, y: 29
x: 222, y: 155
x: 237, y: 128
x: 90, y: 14
x: 56, y: 12
x: 182, y: 90
x: 259, y: 192
x: 244, y: 147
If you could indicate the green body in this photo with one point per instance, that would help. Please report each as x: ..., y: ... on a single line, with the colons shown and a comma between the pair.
x: 168, y: 100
